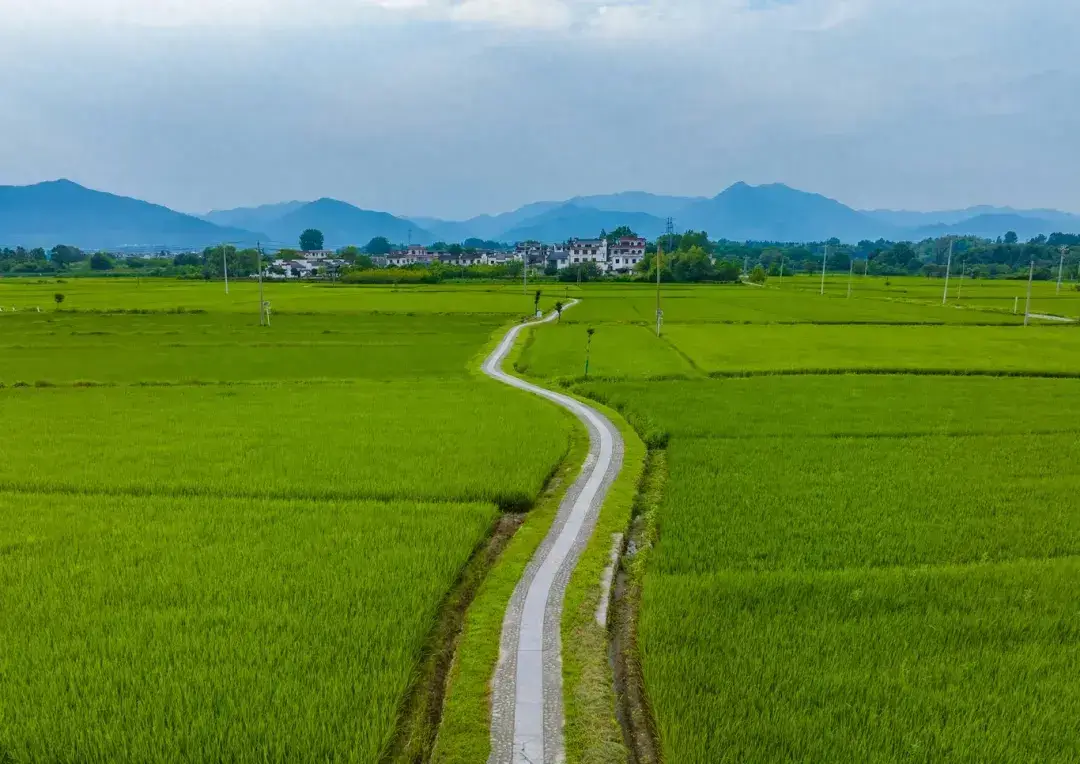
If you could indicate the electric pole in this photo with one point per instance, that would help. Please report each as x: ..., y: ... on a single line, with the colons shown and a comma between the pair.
x: 850, y: 275
x: 262, y: 305
x: 1061, y: 267
x: 1027, y: 306
x: 824, y: 262
x: 782, y: 270
x: 963, y: 272
x: 225, y: 267
x: 659, y: 265
x: 948, y: 267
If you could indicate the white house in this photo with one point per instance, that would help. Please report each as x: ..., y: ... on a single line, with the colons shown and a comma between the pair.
x: 625, y: 253
x: 582, y: 251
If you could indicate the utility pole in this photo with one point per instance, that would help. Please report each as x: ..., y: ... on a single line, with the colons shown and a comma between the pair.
x: 963, y: 272
x: 948, y: 267
x: 525, y: 272
x: 1027, y: 307
x: 850, y: 275
x: 659, y: 265
x: 782, y: 270
x: 1061, y: 267
x: 225, y: 266
x: 824, y: 262
x: 262, y: 305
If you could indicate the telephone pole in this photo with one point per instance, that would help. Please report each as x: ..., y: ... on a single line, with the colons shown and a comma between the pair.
x: 659, y: 265
x: 782, y: 270
x: 850, y: 275
x: 824, y: 262
x: 262, y: 304
x: 948, y: 267
x: 1027, y: 306
x: 225, y: 267
x: 1061, y: 267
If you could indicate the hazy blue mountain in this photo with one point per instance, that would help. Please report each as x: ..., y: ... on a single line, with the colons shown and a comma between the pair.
x: 252, y: 218
x: 343, y: 224
x: 909, y: 219
x: 63, y: 212
x: 638, y: 201
x: 572, y: 221
x: 992, y: 226
x: 488, y: 227
x: 779, y: 213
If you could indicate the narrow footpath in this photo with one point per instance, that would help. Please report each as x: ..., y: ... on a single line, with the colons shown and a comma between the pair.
x: 527, y: 709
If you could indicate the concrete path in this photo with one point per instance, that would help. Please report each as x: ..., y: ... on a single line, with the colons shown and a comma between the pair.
x: 527, y: 709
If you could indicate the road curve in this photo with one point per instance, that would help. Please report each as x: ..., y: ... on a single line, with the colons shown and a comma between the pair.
x: 527, y: 709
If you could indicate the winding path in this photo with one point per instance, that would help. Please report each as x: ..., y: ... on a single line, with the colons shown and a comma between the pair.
x: 527, y: 709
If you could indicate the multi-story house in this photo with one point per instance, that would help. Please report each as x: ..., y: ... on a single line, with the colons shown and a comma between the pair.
x: 626, y: 253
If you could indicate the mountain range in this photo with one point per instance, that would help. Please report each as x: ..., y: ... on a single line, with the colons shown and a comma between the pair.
x: 64, y: 212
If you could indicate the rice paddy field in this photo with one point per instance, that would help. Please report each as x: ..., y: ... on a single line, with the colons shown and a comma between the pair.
x: 222, y: 542
x: 226, y: 543
x: 868, y: 543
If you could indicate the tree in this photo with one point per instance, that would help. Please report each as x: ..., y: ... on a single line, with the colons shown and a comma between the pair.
x: 588, y: 347
x: 380, y: 245
x: 558, y: 309
x: 58, y: 298
x: 622, y: 232
x: 63, y: 255
x: 100, y: 261
x: 311, y: 240
x: 536, y: 302
x: 1011, y: 237
x: 349, y: 254
x: 757, y: 276
x: 692, y: 265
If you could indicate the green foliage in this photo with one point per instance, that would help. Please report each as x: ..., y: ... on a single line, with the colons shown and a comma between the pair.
x: 311, y: 240
x: 758, y: 275
x: 100, y: 261
x: 379, y: 245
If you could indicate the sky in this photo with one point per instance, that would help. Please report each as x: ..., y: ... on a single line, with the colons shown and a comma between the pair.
x: 452, y: 108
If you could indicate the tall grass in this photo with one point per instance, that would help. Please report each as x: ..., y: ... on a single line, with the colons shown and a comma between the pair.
x: 176, y: 630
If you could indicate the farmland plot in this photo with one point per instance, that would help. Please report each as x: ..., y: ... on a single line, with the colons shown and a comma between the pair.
x: 863, y: 579
x: 221, y: 543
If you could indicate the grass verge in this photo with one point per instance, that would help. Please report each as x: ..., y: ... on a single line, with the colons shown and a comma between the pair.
x: 635, y: 713
x: 418, y: 723
x: 465, y: 730
x: 593, y: 734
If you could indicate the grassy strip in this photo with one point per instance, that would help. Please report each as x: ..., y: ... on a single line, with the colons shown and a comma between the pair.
x: 464, y: 734
x: 907, y: 372
x: 421, y: 713
x: 593, y: 734
x: 639, y: 725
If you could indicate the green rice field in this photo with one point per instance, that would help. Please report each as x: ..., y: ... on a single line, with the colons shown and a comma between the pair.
x: 221, y: 542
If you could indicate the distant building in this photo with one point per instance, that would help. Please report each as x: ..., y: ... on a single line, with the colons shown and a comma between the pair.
x: 626, y: 253
x: 588, y: 251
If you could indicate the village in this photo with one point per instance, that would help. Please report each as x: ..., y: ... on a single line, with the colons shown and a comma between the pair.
x: 619, y: 256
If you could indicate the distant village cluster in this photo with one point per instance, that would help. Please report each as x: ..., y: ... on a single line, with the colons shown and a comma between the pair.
x: 619, y: 256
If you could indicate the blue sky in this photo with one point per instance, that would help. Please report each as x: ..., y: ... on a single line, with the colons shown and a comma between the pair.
x: 456, y: 107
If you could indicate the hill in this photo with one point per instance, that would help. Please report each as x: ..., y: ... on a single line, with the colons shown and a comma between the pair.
x: 571, y: 221
x: 343, y: 224
x: 778, y: 213
x: 63, y: 212
x: 252, y: 218
x: 994, y: 225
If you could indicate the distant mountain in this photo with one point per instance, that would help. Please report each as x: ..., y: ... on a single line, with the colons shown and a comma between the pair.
x: 638, y: 201
x: 488, y: 227
x: 779, y: 213
x: 992, y: 226
x: 343, y: 224
x: 63, y: 212
x: 907, y: 219
x: 252, y: 218
x: 572, y: 221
